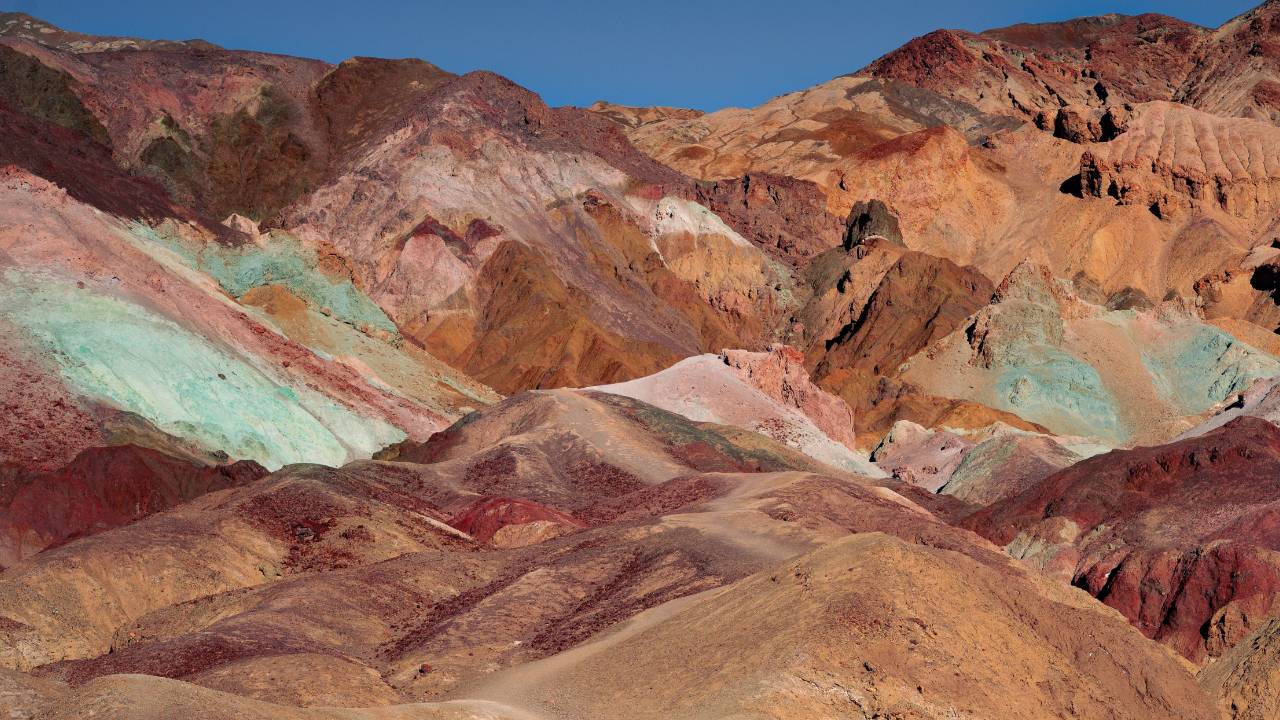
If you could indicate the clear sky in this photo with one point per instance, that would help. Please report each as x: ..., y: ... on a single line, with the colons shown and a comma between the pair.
x: 705, y: 54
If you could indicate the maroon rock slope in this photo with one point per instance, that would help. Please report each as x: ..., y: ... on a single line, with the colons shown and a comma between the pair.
x: 486, y: 518
x: 1181, y: 538
x: 1097, y: 61
x: 100, y: 489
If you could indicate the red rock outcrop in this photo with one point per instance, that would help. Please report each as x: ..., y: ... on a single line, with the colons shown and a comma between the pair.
x: 788, y: 216
x: 1183, y: 539
x: 100, y: 489
x: 1026, y: 69
x: 485, y: 518
x: 359, y: 97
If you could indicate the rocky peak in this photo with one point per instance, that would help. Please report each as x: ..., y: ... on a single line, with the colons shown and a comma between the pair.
x: 1031, y: 282
x: 870, y: 219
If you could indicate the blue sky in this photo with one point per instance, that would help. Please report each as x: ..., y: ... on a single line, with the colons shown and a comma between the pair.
x: 706, y: 54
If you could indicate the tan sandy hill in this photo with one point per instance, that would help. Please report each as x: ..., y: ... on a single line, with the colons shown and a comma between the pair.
x: 643, y: 534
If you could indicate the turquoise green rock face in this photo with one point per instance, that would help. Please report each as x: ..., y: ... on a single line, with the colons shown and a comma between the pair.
x: 1191, y: 367
x: 281, y: 261
x: 1202, y: 366
x: 1057, y: 390
x: 131, y: 358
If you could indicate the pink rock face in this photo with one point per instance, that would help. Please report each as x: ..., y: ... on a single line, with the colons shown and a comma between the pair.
x: 780, y: 374
x: 921, y: 456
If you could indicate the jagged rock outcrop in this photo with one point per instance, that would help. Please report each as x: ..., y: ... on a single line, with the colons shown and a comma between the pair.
x: 920, y: 300
x: 871, y: 219
x: 872, y: 307
x: 1086, y: 125
x: 1111, y: 59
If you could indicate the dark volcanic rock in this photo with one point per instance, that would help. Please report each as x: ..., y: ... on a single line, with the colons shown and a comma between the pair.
x: 30, y: 86
x: 870, y: 219
x: 1085, y: 125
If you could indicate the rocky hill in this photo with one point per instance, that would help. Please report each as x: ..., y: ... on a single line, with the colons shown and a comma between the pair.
x: 943, y: 389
